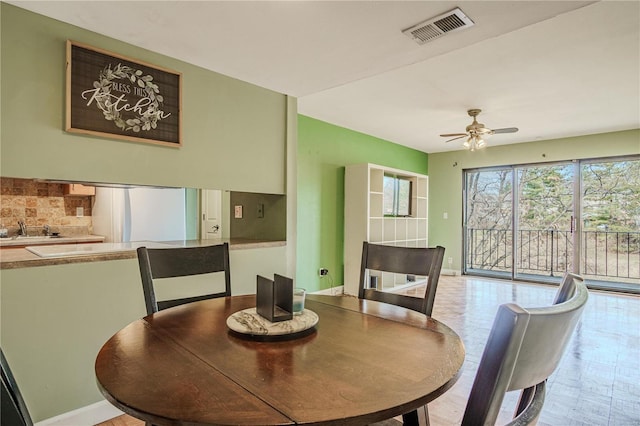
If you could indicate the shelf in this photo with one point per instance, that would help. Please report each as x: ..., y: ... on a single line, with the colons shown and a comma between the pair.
x: 421, y: 208
x: 78, y: 189
x: 376, y: 180
x: 375, y: 204
x: 365, y: 221
x: 401, y: 229
x: 375, y: 230
x: 422, y: 229
x: 389, y: 229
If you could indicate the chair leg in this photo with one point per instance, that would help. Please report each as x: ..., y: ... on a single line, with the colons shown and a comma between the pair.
x: 419, y: 417
x: 525, y: 399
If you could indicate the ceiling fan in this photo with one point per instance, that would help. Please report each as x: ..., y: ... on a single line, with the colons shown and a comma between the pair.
x: 475, y: 132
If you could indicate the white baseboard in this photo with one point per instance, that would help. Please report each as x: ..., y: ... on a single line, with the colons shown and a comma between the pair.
x: 85, y: 416
x: 333, y: 291
x: 452, y: 272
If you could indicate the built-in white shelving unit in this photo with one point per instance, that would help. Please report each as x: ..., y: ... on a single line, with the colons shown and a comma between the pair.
x: 365, y: 221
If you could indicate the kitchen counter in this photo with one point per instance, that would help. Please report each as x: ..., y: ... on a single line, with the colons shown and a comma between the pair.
x: 12, y: 258
x: 43, y: 240
x: 70, y: 250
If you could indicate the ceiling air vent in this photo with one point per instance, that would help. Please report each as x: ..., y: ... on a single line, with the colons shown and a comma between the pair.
x: 433, y: 28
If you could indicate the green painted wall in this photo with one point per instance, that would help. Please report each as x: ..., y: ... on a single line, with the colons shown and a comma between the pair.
x: 445, y: 175
x: 323, y: 152
x: 232, y: 130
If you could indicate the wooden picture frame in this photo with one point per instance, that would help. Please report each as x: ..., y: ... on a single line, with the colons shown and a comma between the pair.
x: 112, y: 96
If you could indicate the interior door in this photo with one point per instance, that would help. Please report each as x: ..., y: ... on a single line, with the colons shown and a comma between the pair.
x: 211, y: 214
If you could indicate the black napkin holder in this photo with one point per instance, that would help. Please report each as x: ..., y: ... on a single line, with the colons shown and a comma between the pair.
x: 274, y: 298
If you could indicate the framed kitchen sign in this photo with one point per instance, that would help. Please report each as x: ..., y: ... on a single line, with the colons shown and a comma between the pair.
x: 113, y: 96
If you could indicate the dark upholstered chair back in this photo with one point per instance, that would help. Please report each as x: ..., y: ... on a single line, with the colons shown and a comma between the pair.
x: 179, y: 262
x: 403, y: 260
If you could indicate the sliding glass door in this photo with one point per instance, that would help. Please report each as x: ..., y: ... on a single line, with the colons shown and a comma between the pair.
x: 489, y: 221
x: 544, y: 200
x: 610, y: 243
x: 536, y: 222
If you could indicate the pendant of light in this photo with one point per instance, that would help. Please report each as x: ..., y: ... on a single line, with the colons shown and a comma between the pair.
x: 474, y: 142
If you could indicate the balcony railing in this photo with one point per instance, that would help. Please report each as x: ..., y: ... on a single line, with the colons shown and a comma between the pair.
x: 608, y: 255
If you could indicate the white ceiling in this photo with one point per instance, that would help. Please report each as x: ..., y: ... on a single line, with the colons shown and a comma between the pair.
x: 551, y: 68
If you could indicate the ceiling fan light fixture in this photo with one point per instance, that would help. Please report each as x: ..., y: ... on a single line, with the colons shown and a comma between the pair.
x: 476, y: 131
x: 474, y: 142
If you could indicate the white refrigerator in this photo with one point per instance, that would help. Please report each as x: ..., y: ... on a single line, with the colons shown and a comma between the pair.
x: 139, y: 214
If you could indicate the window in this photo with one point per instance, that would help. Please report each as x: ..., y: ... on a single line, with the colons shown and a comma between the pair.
x: 397, y: 196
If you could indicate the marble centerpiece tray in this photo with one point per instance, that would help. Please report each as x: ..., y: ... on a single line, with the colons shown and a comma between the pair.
x: 249, y: 323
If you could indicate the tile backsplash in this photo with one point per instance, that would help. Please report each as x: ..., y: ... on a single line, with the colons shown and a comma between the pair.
x: 40, y: 203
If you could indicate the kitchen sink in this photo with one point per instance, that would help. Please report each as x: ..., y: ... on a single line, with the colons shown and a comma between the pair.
x: 34, y: 237
x: 22, y: 240
x: 64, y: 250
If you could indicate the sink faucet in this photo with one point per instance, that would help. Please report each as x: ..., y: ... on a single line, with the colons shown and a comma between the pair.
x: 47, y: 230
x: 23, y: 228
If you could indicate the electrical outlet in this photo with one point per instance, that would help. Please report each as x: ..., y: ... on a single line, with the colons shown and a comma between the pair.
x: 450, y: 260
x: 323, y: 271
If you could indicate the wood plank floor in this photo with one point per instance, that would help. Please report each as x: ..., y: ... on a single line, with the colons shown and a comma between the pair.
x: 597, y: 382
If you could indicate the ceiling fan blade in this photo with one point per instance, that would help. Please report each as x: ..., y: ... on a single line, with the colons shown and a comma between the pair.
x: 459, y: 137
x: 447, y: 135
x: 506, y: 130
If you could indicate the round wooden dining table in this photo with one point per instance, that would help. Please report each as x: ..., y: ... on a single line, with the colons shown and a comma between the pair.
x: 365, y: 361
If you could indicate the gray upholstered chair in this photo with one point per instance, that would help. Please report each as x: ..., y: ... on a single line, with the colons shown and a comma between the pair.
x: 403, y: 260
x: 524, y: 347
x: 179, y: 262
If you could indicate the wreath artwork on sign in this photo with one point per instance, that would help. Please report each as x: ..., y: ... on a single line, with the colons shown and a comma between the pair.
x: 126, y: 100
x: 145, y: 119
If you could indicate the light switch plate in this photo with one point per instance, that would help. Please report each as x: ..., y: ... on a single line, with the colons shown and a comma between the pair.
x: 237, y: 212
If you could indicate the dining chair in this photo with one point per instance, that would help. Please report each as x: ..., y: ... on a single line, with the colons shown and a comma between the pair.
x: 180, y: 262
x: 13, y: 410
x: 524, y: 348
x: 401, y: 260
